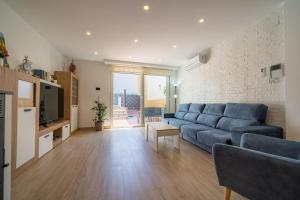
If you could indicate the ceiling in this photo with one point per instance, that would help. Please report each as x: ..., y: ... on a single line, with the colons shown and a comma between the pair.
x: 115, y: 24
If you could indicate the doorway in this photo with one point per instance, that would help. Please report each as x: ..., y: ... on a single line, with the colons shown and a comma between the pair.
x: 126, y: 100
x: 155, y: 97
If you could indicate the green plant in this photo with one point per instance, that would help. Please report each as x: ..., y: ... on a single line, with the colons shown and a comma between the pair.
x: 53, y: 77
x: 101, y: 111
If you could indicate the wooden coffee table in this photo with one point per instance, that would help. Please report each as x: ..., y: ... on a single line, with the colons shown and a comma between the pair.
x: 161, y: 129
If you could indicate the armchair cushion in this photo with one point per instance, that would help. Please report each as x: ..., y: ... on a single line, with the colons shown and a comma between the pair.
x: 271, y: 145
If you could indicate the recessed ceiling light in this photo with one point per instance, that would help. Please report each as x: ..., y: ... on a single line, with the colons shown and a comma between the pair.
x: 88, y: 33
x: 136, y: 41
x: 146, y: 7
x: 201, y: 20
x: 96, y: 52
x: 174, y: 46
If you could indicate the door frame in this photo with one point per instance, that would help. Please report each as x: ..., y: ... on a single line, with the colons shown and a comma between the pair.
x: 142, y: 84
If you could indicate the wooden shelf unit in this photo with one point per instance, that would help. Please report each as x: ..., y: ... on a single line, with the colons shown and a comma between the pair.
x: 9, y: 80
x: 70, y: 83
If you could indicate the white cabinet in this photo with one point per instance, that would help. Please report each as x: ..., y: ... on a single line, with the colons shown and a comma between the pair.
x: 74, y: 118
x: 45, y: 144
x: 65, y: 132
x: 26, y: 135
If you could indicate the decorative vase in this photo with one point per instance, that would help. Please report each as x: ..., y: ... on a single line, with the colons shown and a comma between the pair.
x: 99, y: 126
x: 72, y: 67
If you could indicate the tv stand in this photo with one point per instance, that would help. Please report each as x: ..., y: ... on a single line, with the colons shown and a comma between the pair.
x: 53, y: 135
x: 44, y: 129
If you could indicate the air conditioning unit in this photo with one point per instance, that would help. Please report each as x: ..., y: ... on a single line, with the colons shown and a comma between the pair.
x: 196, y: 61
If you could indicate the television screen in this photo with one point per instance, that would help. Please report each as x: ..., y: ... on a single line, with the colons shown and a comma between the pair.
x: 51, y: 103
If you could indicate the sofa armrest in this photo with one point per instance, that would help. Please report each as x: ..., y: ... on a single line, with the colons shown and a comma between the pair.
x: 271, y: 145
x: 257, y: 175
x: 236, y: 132
x: 169, y: 115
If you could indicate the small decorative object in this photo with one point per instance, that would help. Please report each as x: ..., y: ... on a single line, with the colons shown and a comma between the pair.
x: 3, y: 52
x: 53, y: 78
x: 39, y: 73
x: 101, y: 111
x: 25, y: 66
x: 72, y: 67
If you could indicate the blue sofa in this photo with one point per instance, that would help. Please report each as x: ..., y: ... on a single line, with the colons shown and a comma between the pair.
x: 262, y: 167
x: 207, y: 124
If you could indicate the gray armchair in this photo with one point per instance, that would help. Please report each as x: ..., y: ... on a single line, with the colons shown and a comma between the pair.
x: 262, y: 167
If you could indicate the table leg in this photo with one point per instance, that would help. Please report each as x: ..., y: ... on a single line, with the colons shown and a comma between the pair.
x: 147, y: 132
x: 156, y: 142
x: 177, y: 141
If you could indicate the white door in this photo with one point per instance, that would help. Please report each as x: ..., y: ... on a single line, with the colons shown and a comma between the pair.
x: 45, y: 144
x: 26, y: 135
x: 65, y: 132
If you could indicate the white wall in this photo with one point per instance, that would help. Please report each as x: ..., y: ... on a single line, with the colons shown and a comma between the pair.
x: 22, y: 40
x: 233, y: 71
x: 92, y: 74
x: 292, y: 28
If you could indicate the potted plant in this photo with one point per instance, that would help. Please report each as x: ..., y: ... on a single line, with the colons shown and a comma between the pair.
x: 101, y: 111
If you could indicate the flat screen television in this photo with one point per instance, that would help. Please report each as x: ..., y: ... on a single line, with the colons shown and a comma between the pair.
x: 51, y: 103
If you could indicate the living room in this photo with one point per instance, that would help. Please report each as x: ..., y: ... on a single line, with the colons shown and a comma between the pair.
x: 149, y: 99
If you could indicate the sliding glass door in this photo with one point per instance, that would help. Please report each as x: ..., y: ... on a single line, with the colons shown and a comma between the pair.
x: 139, y: 98
x: 155, y: 97
x: 126, y: 100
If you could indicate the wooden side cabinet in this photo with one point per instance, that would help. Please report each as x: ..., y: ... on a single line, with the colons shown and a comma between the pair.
x: 70, y: 83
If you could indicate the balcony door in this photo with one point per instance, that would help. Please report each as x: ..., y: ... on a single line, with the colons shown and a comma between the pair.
x: 156, y: 92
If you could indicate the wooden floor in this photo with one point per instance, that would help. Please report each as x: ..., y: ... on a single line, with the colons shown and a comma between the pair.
x: 119, y: 164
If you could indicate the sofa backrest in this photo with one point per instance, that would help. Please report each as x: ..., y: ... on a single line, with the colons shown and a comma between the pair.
x: 241, y: 115
x: 183, y: 109
x: 211, y: 114
x: 256, y: 112
x: 194, y: 111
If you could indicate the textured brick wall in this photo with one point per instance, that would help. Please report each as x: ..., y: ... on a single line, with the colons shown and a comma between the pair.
x: 233, y: 71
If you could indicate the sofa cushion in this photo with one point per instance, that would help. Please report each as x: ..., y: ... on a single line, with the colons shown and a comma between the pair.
x: 179, y: 115
x: 214, y: 109
x: 256, y: 112
x: 208, y: 120
x: 227, y: 123
x: 178, y: 122
x: 210, y: 137
x: 196, y: 108
x: 192, y: 117
x: 166, y: 120
x: 184, y: 107
x: 192, y: 129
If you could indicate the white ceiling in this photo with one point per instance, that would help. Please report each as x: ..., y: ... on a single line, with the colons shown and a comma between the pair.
x: 116, y: 23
